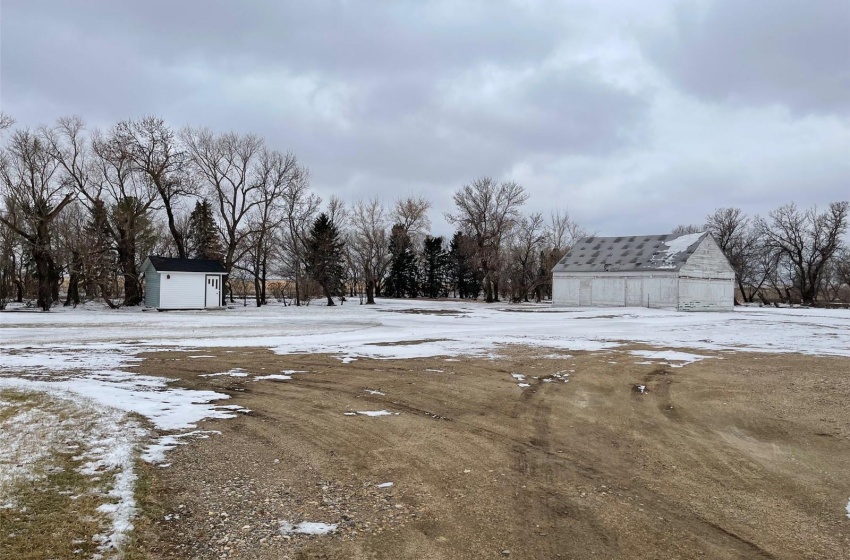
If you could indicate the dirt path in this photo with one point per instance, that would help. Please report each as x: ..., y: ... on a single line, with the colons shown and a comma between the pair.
x: 739, y: 456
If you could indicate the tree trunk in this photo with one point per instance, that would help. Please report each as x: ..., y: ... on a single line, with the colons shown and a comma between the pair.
x: 172, y: 226
x: 258, y: 297
x: 73, y: 290
x: 370, y: 292
x: 328, y: 295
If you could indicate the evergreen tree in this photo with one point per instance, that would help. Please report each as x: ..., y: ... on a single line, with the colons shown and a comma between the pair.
x: 203, y: 241
x: 465, y: 276
x: 402, y: 279
x: 325, y: 256
x: 435, y: 264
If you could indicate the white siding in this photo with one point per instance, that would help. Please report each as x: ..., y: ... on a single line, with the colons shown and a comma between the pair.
x: 615, y: 290
x: 609, y: 291
x: 706, y: 295
x: 183, y: 290
x: 634, y: 292
x: 707, y: 261
x: 565, y: 290
x: 661, y: 291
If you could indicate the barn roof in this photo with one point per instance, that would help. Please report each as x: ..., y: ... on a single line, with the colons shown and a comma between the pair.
x: 634, y: 253
x: 167, y: 264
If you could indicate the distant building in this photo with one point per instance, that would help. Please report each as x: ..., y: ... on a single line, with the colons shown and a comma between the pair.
x: 688, y: 272
x: 183, y: 283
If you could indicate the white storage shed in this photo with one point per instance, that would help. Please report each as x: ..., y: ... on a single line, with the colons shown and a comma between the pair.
x: 183, y: 283
x: 687, y: 272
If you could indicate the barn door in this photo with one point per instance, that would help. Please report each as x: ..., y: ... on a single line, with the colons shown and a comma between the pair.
x: 585, y: 292
x: 213, y: 291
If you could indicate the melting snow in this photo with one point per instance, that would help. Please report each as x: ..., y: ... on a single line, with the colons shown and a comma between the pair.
x: 682, y: 243
x: 670, y: 356
x: 276, y: 376
x: 307, y: 528
x: 376, y: 413
x: 235, y: 372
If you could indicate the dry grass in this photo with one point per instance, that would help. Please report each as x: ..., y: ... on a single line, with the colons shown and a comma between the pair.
x: 48, y: 506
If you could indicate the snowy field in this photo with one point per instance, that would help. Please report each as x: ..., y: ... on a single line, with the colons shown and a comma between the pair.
x: 81, y: 356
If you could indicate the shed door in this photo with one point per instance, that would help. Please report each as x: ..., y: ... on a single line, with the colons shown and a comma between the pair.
x: 213, y: 291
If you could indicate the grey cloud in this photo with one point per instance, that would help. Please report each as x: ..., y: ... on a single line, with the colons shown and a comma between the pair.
x: 389, y: 98
x: 760, y: 52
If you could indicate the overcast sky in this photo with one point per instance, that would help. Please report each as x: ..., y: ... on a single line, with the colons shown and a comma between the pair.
x: 632, y: 116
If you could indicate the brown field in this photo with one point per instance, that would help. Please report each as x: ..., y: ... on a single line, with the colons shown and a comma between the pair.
x: 740, y: 456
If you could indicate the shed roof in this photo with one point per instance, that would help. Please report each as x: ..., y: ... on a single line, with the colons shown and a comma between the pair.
x: 167, y: 264
x: 634, y: 253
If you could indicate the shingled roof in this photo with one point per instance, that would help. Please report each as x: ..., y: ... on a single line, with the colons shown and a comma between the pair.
x: 166, y: 264
x: 635, y: 253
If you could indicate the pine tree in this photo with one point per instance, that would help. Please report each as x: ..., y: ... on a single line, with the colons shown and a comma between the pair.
x: 465, y: 276
x: 325, y: 256
x: 435, y: 262
x: 203, y: 240
x: 402, y: 279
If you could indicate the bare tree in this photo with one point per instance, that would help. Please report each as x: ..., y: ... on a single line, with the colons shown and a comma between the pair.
x: 370, y: 243
x: 488, y: 211
x: 129, y: 198
x: 337, y: 212
x: 807, y: 240
x: 299, y: 209
x: 739, y: 242
x: 685, y: 229
x: 35, y: 192
x: 6, y: 121
x: 226, y: 163
x: 156, y: 153
x: 412, y: 214
x: 275, y: 173
x: 524, y: 257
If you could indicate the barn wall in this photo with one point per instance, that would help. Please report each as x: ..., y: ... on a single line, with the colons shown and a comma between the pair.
x: 184, y: 290
x: 660, y: 292
x: 152, y: 286
x: 565, y: 291
x: 615, y: 290
x: 701, y: 294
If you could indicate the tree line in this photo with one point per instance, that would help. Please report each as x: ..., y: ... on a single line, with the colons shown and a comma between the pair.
x: 82, y: 209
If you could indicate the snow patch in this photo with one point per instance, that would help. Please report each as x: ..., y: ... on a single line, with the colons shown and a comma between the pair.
x: 307, y: 528
x: 385, y: 485
x: 235, y: 372
x: 274, y: 376
x: 374, y: 413
x: 669, y: 356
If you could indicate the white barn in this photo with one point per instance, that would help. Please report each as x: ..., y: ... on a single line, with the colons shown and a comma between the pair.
x: 687, y: 272
x: 183, y: 283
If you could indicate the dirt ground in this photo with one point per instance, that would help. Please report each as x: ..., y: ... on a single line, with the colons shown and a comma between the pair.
x: 738, y: 456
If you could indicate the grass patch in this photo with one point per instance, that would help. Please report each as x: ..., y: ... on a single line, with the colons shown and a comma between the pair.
x: 57, y: 468
x: 150, y: 509
x: 52, y: 517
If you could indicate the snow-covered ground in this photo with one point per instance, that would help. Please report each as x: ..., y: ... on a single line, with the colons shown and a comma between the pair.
x: 82, y: 353
x: 452, y: 328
